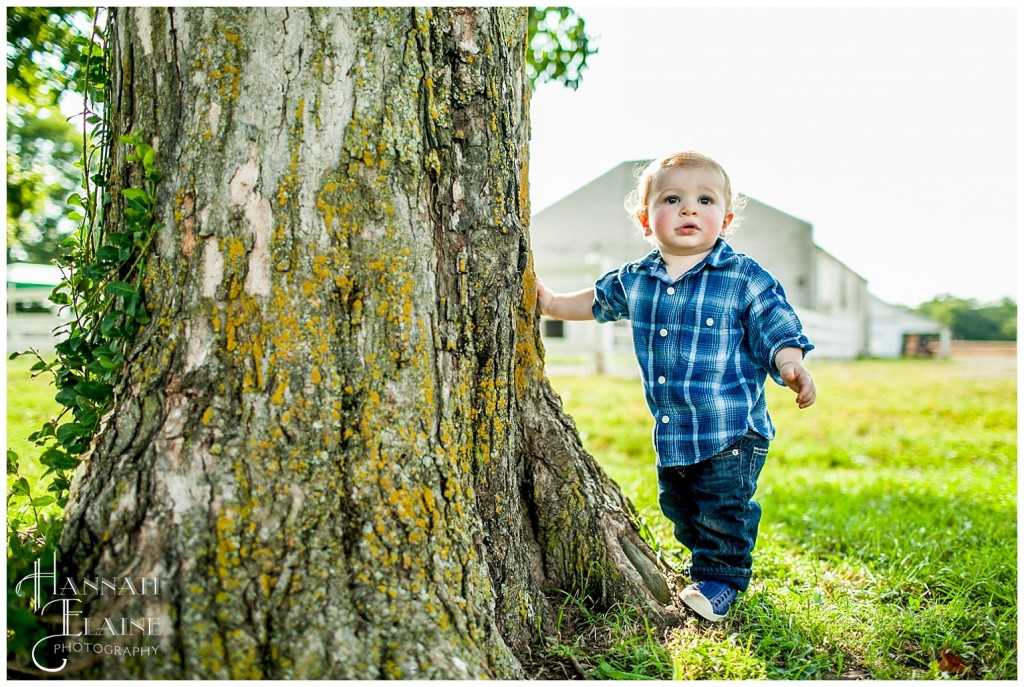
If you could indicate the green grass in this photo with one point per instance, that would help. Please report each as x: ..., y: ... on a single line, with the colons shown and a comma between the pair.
x: 30, y: 403
x: 889, y: 531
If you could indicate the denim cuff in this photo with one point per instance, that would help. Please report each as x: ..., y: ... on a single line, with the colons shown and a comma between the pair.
x: 737, y: 577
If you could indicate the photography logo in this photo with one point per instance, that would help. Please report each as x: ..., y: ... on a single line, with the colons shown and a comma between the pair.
x: 87, y: 635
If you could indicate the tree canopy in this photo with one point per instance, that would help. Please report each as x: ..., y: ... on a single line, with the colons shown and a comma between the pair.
x: 48, y: 51
x: 973, y: 321
x: 559, y: 46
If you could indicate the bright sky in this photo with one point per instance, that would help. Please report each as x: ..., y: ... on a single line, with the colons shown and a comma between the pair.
x: 892, y: 130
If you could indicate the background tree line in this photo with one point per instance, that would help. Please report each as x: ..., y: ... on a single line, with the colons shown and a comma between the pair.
x: 973, y: 321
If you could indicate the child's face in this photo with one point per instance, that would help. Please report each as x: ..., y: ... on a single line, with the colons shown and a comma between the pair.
x: 686, y: 210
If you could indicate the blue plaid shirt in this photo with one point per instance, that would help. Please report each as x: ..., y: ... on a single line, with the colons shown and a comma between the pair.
x: 705, y: 343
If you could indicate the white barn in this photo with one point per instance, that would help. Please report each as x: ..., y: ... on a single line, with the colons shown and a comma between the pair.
x: 897, y: 332
x: 588, y: 232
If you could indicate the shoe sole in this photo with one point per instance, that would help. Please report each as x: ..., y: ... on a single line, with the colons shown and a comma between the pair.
x: 701, y: 606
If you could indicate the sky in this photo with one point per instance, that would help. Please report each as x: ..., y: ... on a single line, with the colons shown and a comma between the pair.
x: 893, y: 130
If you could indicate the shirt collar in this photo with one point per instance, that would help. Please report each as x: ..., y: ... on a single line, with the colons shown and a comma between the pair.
x: 722, y: 254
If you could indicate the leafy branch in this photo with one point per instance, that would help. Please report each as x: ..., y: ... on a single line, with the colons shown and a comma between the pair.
x: 559, y: 46
x: 103, y: 288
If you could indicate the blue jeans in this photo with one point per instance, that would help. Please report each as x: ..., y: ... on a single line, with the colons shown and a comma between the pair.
x: 711, y: 505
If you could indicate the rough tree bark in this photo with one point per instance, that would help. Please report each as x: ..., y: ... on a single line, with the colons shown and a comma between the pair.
x: 335, y: 445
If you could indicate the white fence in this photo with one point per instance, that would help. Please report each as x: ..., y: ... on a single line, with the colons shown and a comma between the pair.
x: 32, y: 330
x: 27, y: 330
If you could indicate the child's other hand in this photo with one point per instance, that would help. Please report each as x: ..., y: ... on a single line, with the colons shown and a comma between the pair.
x: 544, y: 297
x: 799, y: 380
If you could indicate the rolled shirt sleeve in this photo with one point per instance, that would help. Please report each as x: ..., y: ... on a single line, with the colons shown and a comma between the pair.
x: 610, y: 303
x: 773, y: 323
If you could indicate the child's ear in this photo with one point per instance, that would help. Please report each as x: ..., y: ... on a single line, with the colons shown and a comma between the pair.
x: 726, y: 223
x: 641, y: 216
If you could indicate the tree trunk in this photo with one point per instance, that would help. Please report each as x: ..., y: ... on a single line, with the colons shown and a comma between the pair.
x: 335, y: 446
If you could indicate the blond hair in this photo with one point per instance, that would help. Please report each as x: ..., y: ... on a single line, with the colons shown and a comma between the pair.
x: 640, y: 195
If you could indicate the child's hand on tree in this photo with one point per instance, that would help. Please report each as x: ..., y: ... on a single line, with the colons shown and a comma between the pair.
x: 544, y: 297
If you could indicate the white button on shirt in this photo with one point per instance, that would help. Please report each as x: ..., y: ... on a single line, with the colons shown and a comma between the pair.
x: 661, y: 380
x: 670, y: 290
x: 664, y: 332
x: 664, y: 419
x: 710, y: 321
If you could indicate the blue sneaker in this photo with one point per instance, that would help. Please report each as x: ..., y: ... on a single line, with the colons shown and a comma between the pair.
x: 709, y: 599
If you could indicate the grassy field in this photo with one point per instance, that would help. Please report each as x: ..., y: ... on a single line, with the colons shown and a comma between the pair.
x: 888, y: 545
x: 30, y: 402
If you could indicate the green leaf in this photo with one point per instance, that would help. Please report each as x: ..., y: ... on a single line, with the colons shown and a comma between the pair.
x: 56, y: 459
x: 131, y: 304
x: 43, y: 501
x: 104, y: 351
x: 96, y: 367
x: 136, y: 218
x: 39, y: 436
x: 120, y: 239
x: 94, y: 391
x: 110, y: 322
x: 61, y: 483
x: 60, y: 298
x: 108, y: 254
x: 96, y: 271
x: 66, y: 397
x: 138, y: 197
x: 67, y: 433
x: 120, y: 288
x: 109, y: 364
x: 21, y: 487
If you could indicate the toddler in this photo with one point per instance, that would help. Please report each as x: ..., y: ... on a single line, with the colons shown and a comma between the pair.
x: 709, y: 325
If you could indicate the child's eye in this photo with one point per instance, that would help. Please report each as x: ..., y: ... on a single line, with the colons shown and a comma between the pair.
x: 707, y: 200
x: 671, y: 200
